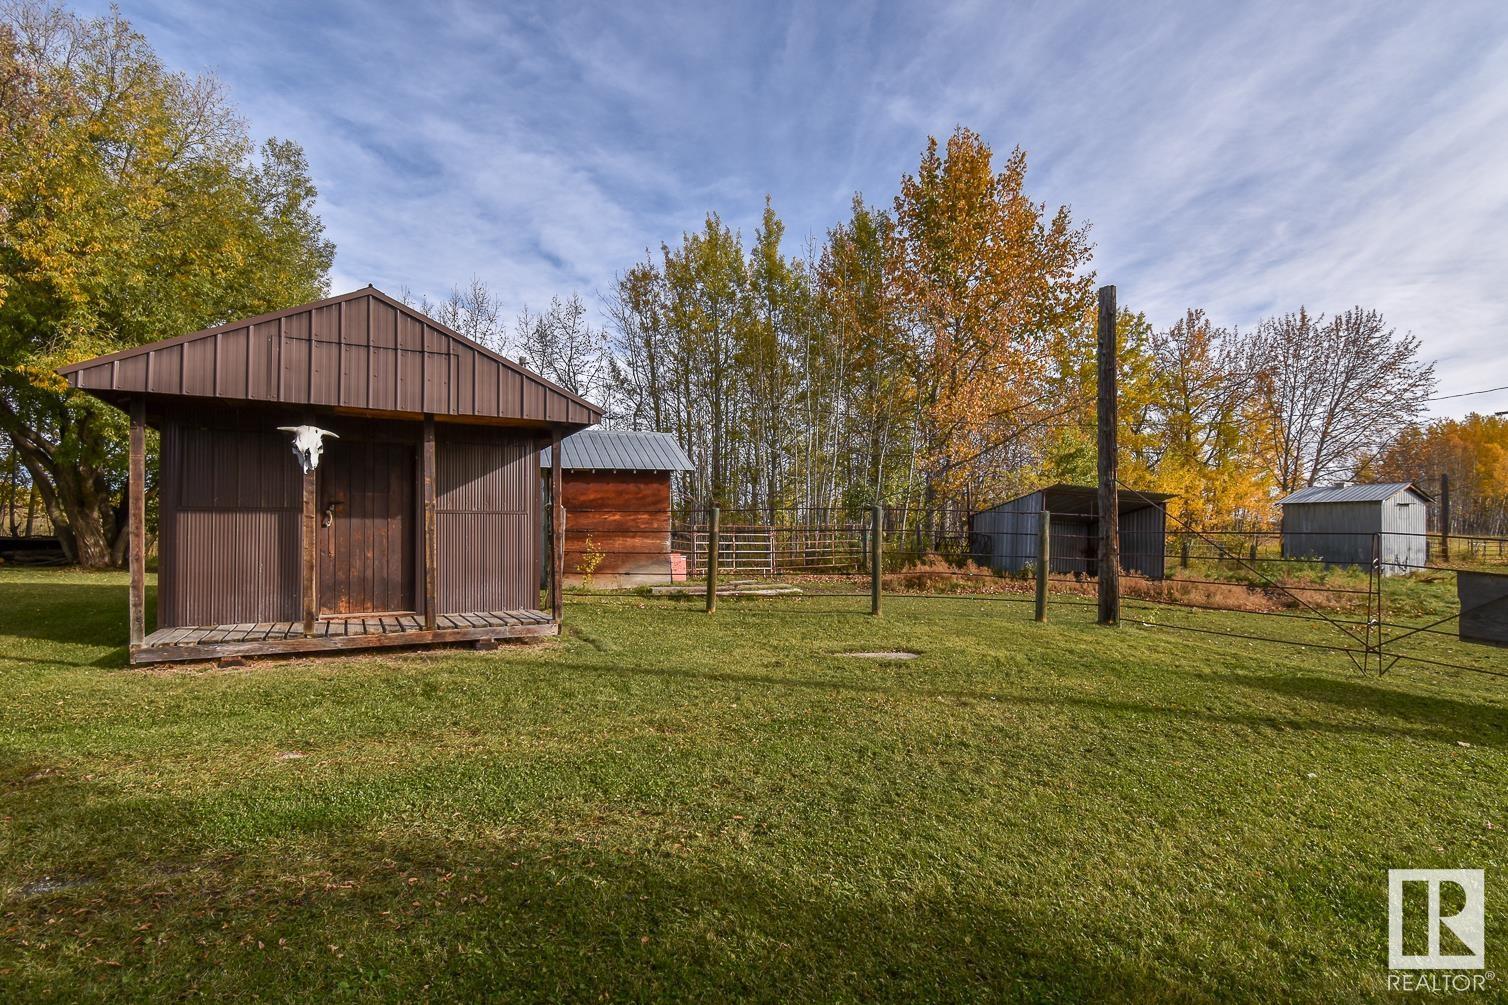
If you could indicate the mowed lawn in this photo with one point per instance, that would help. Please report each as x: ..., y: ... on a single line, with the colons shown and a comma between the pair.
x: 667, y: 805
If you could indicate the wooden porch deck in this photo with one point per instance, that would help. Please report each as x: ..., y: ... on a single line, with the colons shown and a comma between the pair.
x: 209, y: 642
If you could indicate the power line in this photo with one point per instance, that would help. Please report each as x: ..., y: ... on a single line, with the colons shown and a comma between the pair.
x: 1467, y: 394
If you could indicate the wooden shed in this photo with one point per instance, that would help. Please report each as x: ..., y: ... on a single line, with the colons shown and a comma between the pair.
x: 1338, y: 524
x: 617, y: 496
x: 1004, y: 537
x: 420, y: 522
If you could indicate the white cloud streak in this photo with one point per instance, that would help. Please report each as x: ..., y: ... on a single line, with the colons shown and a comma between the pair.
x: 1243, y: 158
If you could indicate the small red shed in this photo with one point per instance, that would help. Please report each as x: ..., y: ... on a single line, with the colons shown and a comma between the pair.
x: 617, y: 497
x: 344, y: 474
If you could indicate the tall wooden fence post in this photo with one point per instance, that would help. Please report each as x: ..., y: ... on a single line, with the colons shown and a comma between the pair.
x: 136, y: 517
x: 310, y: 556
x: 712, y: 550
x: 1444, y: 517
x: 557, y: 531
x: 1109, y: 497
x: 431, y: 527
x: 876, y: 556
x: 1044, y: 557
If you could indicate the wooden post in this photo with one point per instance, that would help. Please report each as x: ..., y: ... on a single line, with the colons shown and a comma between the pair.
x: 557, y: 532
x: 1444, y: 517
x: 310, y: 546
x: 876, y: 556
x: 1109, y: 498
x: 712, y: 549
x: 136, y: 526
x: 431, y: 530
x: 1044, y: 557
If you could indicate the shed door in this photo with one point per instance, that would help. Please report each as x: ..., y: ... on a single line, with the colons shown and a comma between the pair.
x: 366, y: 506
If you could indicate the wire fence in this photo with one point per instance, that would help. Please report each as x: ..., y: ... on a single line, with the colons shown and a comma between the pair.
x: 1372, y: 596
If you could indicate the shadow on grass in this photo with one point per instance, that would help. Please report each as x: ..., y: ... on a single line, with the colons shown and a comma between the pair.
x: 1487, y: 728
x: 1485, y: 724
x: 72, y: 611
x: 573, y: 920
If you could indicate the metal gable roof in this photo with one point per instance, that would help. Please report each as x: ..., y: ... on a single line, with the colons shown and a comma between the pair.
x: 612, y: 450
x: 1375, y: 492
x: 361, y: 350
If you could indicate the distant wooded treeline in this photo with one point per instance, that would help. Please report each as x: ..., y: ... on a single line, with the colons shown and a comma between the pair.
x: 938, y: 353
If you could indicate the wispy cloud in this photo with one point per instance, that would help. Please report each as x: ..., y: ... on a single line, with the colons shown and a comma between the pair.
x: 1243, y: 158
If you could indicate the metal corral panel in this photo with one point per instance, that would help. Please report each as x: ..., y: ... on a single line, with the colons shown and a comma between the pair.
x: 1341, y: 533
x: 487, y: 490
x: 363, y: 351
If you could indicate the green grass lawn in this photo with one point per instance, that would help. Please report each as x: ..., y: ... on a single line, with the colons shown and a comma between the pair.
x: 669, y: 805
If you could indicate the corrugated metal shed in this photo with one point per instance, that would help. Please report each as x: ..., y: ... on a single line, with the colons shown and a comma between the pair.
x: 613, y: 450
x: 1338, y: 525
x: 426, y: 500
x: 363, y: 351
x: 1005, y: 536
x: 1374, y: 492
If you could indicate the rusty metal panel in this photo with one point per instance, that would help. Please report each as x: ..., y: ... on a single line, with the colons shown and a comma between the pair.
x: 487, y: 504
x: 229, y: 527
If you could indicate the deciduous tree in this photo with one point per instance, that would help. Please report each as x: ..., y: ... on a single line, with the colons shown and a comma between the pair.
x: 135, y: 207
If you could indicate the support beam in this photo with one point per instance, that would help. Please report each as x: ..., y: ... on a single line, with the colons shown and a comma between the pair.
x: 431, y: 534
x: 714, y: 545
x: 136, y: 527
x: 557, y: 531
x: 1109, y: 564
x: 1044, y: 559
x: 309, y: 551
x: 1444, y: 517
x: 876, y: 556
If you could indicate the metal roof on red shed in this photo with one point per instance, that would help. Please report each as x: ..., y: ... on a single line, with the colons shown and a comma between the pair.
x: 619, y: 450
x: 361, y: 351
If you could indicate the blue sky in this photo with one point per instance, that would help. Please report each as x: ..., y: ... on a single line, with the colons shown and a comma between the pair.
x: 1247, y: 158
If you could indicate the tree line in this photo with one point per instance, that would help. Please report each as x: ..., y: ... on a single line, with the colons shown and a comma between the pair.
x: 937, y: 355
x: 934, y: 351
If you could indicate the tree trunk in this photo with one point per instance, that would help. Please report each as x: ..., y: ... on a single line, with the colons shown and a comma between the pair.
x: 78, y: 495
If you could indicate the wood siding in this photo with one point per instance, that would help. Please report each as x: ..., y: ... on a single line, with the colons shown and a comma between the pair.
x: 623, y: 515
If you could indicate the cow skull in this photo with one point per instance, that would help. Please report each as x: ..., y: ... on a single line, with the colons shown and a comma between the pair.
x: 308, y: 444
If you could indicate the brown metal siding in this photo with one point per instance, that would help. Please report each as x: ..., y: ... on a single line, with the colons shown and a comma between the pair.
x: 229, y: 527
x: 361, y: 351
x: 487, y: 505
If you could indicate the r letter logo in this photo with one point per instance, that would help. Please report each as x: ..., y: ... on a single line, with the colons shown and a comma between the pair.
x: 1467, y: 925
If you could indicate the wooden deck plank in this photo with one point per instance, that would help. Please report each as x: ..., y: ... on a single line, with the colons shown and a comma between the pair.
x: 297, y: 643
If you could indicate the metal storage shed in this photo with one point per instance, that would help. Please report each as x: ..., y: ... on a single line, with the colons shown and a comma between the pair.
x: 615, y: 487
x: 1337, y: 524
x: 422, y: 523
x: 1005, y: 536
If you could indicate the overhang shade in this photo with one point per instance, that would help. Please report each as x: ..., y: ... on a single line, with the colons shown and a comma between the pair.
x: 361, y: 352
